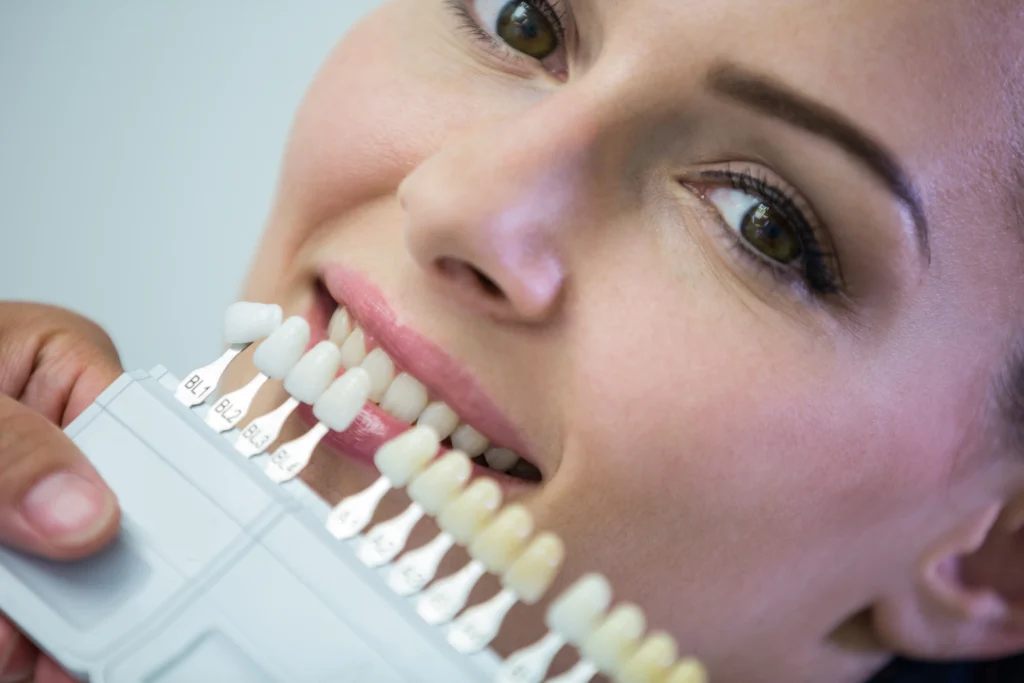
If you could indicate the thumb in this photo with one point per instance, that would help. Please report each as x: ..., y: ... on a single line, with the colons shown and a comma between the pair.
x: 52, y: 501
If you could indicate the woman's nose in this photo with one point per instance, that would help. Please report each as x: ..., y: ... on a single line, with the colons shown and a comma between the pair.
x: 489, y: 217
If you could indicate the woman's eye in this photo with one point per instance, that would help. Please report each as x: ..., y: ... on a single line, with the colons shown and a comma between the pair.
x: 759, y: 225
x: 528, y: 26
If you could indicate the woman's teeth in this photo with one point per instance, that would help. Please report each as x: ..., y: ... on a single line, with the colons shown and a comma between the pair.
x: 406, y: 399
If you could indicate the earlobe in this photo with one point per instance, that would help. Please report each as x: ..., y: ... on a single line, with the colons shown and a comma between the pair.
x: 966, y: 599
x: 942, y: 575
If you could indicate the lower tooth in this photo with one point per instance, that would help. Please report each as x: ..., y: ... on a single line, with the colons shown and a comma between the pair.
x: 469, y: 441
x: 405, y: 399
x: 501, y: 459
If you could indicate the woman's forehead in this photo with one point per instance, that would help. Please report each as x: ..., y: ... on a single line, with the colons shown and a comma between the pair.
x: 929, y: 78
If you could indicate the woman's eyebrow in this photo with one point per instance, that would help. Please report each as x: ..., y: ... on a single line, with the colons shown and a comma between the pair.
x: 779, y: 101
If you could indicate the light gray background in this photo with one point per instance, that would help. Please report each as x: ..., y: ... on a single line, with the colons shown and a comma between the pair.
x: 139, y: 147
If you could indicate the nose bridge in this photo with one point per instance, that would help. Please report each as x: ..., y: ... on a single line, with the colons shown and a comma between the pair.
x: 532, y: 166
x: 501, y: 199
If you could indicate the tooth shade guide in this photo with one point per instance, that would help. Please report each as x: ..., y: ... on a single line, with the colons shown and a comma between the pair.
x: 616, y: 639
x: 262, y: 432
x: 688, y: 670
x: 202, y: 382
x: 479, y: 625
x: 384, y: 542
x: 419, y: 566
x: 531, y: 664
x: 314, y: 373
x: 246, y: 322
x: 398, y: 461
x: 290, y: 459
x: 440, y: 603
x: 652, y: 660
x: 582, y: 672
x: 446, y: 598
x: 230, y: 409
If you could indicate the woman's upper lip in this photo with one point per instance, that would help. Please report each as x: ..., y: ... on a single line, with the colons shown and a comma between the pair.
x: 444, y: 377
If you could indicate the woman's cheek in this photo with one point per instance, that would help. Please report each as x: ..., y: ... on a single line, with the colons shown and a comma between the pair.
x: 375, y: 112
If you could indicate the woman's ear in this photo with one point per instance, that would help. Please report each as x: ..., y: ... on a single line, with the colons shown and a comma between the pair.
x: 965, y: 599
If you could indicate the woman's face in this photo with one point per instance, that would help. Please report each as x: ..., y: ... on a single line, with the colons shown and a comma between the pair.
x: 735, y: 275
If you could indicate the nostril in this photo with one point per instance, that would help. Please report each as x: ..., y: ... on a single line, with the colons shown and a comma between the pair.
x: 460, y: 271
x: 488, y: 285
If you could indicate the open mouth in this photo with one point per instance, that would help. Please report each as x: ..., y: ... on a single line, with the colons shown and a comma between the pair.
x: 413, y: 382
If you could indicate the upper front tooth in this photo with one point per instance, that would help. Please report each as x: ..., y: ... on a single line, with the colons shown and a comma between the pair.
x: 501, y: 459
x: 405, y: 399
x: 340, y: 327
x: 469, y: 441
x: 353, y: 351
x: 439, y: 416
x: 382, y: 371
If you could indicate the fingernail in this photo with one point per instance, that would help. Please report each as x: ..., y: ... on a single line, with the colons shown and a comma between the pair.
x: 67, y: 508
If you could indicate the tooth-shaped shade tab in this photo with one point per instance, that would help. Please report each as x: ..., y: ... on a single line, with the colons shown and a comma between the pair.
x: 246, y: 322
x: 382, y: 371
x: 525, y: 581
x: 279, y: 353
x: 499, y: 544
x: 577, y: 611
x: 353, y: 351
x: 469, y: 441
x: 439, y: 416
x: 465, y: 516
x: 343, y: 400
x: 405, y: 399
x: 532, y: 573
x: 441, y: 483
x: 615, y: 639
x: 313, y: 373
x: 652, y: 661
x: 406, y: 455
x: 340, y: 327
x: 687, y: 671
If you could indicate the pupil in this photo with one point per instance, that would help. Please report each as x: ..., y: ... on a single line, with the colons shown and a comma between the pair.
x: 770, y: 235
x: 527, y: 30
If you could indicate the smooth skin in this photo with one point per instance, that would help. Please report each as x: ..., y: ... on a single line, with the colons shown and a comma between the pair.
x: 796, y: 485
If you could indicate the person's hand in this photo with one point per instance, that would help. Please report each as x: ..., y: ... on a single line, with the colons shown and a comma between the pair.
x: 53, y: 504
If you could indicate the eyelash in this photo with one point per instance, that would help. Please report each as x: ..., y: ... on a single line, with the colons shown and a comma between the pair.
x: 819, y: 273
x: 822, y: 278
x: 553, y: 11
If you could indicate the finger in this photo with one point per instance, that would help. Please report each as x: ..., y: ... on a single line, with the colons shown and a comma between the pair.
x: 17, y: 655
x: 47, y: 671
x: 53, y: 360
x: 52, y: 501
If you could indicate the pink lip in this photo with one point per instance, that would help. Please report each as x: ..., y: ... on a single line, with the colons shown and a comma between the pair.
x: 444, y: 377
